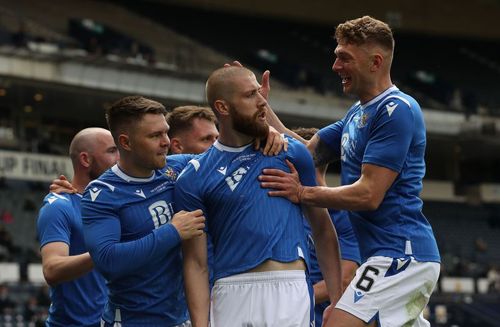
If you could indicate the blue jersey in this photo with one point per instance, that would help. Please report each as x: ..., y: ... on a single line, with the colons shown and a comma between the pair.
x: 246, y: 225
x: 127, y: 230
x: 349, y: 250
x: 79, y: 302
x: 388, y: 131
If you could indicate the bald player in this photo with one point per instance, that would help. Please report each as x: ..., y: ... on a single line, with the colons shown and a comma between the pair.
x: 77, y: 292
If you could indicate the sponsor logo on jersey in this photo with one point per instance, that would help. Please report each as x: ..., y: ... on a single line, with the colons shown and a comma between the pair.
x: 234, y: 180
x: 161, y: 212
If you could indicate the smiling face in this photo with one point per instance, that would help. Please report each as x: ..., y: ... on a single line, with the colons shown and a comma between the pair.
x: 248, y: 108
x: 149, y: 142
x: 353, y: 66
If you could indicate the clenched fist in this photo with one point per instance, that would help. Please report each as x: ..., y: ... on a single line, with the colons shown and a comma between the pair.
x: 189, y: 224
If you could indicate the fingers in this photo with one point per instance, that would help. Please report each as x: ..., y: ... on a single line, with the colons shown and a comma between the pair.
x: 256, y: 143
x: 269, y: 142
x: 285, y: 145
x: 273, y: 185
x: 291, y: 166
x: 236, y: 63
x: 272, y: 172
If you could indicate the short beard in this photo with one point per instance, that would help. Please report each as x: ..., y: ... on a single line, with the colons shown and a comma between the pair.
x: 251, y: 127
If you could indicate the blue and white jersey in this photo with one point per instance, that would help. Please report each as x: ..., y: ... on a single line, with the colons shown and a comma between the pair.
x: 388, y: 131
x: 127, y: 231
x: 247, y: 226
x: 79, y: 302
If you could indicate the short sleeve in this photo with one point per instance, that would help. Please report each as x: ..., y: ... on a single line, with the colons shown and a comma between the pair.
x: 53, y: 224
x: 390, y: 136
x: 331, y: 135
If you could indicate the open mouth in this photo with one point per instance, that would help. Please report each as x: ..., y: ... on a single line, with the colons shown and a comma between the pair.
x: 345, y: 80
x: 262, y: 115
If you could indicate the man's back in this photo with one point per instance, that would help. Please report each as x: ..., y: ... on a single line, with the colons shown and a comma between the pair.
x: 144, y: 278
x: 80, y: 301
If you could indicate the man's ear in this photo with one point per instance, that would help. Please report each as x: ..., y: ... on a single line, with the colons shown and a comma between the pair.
x: 222, y: 107
x: 124, y: 142
x: 376, y: 62
x: 176, y: 146
x: 85, y: 159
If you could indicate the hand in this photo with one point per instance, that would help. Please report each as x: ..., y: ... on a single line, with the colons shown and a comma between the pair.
x: 62, y: 185
x: 285, y: 184
x: 275, y: 142
x: 327, y: 313
x: 265, y: 85
x: 189, y: 224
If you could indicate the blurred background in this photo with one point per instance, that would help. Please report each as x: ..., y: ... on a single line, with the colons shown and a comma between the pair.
x: 63, y: 62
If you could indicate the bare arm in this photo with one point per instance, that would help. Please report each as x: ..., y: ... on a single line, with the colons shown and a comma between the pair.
x: 59, y: 266
x: 365, y: 194
x: 327, y: 249
x: 348, y: 272
x: 196, y: 279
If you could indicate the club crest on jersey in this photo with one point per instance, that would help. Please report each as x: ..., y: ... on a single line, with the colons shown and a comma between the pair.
x: 235, y: 178
x: 170, y: 173
x: 362, y: 120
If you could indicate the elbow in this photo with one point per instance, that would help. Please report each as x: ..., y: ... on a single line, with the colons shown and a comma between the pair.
x: 371, y: 201
x: 50, y: 276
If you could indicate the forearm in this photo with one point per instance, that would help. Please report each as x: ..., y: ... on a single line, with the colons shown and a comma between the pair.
x: 60, y: 269
x: 320, y: 292
x: 327, y: 250
x: 196, y: 280
x: 197, y: 293
x: 353, y: 197
x: 274, y: 121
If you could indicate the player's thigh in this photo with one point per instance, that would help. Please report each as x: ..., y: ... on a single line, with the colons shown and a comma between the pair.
x: 341, y: 318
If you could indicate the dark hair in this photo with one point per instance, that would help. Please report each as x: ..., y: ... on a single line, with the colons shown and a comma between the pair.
x: 124, y: 112
x: 305, y: 132
x: 181, y: 118
x: 364, y: 30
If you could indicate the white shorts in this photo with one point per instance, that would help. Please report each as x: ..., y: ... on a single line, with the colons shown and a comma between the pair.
x: 393, y: 291
x: 262, y: 299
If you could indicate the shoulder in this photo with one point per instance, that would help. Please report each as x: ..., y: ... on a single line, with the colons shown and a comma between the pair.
x: 102, y: 188
x: 295, y: 148
x: 398, y: 103
x: 63, y: 201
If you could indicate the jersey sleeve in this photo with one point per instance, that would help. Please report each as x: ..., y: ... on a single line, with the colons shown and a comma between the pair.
x: 53, y: 224
x: 187, y: 193
x: 301, y: 158
x: 331, y: 135
x: 102, y: 231
x: 390, y: 135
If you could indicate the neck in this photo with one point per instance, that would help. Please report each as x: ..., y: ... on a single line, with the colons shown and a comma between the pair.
x: 131, y: 168
x: 232, y: 138
x: 80, y: 181
x: 375, y: 89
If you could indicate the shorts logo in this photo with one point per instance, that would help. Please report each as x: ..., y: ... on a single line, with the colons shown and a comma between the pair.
x: 358, y: 295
